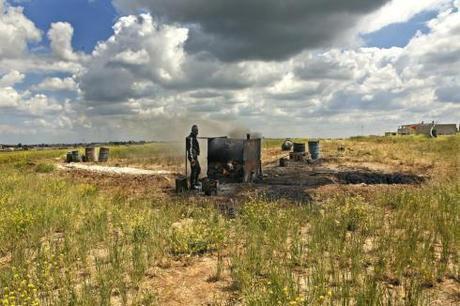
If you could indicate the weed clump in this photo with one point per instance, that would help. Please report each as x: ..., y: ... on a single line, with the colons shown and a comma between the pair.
x: 45, y: 168
x: 190, y: 237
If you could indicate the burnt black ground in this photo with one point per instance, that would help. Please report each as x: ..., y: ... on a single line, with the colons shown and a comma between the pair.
x: 375, y: 177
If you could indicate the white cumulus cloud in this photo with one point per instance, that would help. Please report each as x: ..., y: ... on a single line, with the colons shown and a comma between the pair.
x: 16, y: 31
x: 57, y: 84
x: 11, y: 78
x: 60, y: 36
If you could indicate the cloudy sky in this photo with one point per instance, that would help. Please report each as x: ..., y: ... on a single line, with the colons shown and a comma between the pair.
x: 97, y: 70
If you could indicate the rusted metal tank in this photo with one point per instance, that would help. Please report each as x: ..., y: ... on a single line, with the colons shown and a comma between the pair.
x: 234, y: 160
x: 103, y: 154
x: 90, y: 154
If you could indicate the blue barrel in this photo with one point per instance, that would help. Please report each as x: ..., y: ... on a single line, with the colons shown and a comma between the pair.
x: 313, y: 148
x: 103, y: 154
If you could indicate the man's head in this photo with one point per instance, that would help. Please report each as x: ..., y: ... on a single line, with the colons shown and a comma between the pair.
x: 195, y: 130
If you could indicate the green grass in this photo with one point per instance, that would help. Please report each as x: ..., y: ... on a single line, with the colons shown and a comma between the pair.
x: 69, y: 243
x: 31, y: 155
x: 45, y: 168
x: 166, y: 154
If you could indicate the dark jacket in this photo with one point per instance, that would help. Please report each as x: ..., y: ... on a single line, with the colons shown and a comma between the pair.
x: 192, y: 147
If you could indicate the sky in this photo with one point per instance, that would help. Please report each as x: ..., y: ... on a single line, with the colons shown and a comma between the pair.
x: 101, y: 70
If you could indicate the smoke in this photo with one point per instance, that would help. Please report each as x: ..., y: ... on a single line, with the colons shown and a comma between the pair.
x: 241, y: 132
x: 257, y: 135
x: 238, y: 132
x: 156, y: 128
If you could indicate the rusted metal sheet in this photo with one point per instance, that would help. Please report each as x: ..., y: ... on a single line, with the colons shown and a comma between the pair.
x: 225, y: 149
x: 252, y: 159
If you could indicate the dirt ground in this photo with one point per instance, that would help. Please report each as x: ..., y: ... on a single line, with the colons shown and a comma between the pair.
x: 192, y: 282
x: 299, y: 181
x: 189, y: 283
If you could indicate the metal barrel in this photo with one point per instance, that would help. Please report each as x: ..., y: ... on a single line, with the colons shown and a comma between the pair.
x: 103, y: 154
x: 76, y: 157
x: 287, y: 145
x: 299, y: 147
x: 68, y: 157
x: 314, y: 149
x: 90, y: 153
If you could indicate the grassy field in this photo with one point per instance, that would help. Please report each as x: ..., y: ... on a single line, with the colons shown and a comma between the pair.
x: 66, y: 242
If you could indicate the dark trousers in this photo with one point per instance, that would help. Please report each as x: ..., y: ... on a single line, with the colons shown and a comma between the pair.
x: 195, y: 175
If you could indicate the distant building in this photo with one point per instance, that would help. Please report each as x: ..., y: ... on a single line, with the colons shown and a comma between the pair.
x: 408, y: 129
x: 427, y: 129
x: 446, y: 129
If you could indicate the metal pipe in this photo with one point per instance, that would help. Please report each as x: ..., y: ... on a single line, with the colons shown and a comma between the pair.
x: 186, y: 160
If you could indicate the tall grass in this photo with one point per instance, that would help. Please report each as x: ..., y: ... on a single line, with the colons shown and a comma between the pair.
x: 63, y: 242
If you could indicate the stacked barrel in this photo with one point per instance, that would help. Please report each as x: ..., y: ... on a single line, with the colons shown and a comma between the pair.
x: 299, y: 152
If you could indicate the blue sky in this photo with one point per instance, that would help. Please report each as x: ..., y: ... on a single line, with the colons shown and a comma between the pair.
x: 399, y: 34
x: 319, y: 72
x: 92, y: 20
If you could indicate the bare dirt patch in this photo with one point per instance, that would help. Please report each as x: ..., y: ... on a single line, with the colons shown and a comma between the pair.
x: 112, y: 170
x: 446, y: 293
x: 188, y: 284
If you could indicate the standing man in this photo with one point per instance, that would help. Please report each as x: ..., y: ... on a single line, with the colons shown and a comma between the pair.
x: 193, y: 151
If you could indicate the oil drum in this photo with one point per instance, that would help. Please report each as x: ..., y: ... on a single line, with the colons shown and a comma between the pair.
x: 103, y: 154
x: 313, y: 148
x: 287, y: 145
x: 90, y: 154
x: 299, y: 147
x: 76, y: 156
